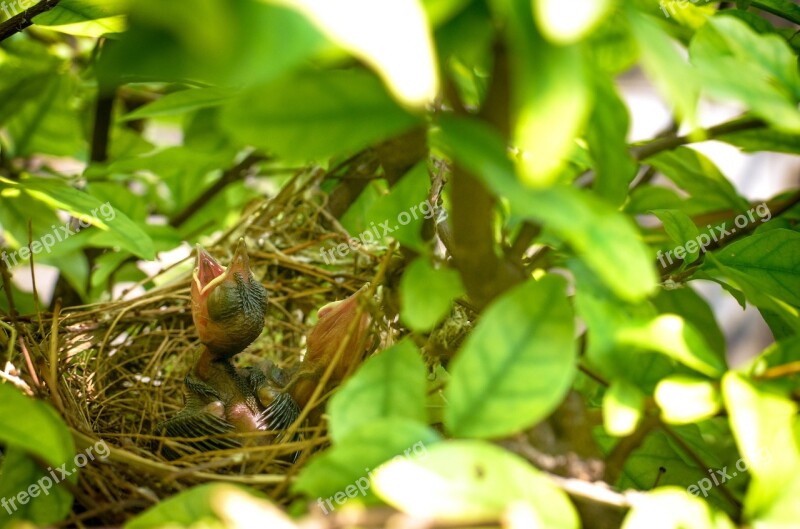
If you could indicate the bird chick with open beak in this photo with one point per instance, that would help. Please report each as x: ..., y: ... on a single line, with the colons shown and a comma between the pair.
x: 228, y: 309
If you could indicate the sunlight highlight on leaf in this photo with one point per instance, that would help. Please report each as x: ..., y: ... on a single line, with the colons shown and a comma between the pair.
x: 392, y: 36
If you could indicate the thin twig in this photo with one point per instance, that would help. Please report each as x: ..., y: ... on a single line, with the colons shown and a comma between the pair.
x: 23, y: 20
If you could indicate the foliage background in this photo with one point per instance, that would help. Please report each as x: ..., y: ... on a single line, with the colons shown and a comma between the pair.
x: 594, y: 389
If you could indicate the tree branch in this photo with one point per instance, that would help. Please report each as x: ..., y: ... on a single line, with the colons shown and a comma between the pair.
x: 644, y: 151
x: 228, y: 177
x: 23, y: 20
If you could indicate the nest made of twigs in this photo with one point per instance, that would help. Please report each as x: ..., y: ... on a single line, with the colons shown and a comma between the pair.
x: 119, y: 366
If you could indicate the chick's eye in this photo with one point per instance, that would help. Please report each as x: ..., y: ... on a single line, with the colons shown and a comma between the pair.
x: 223, y: 303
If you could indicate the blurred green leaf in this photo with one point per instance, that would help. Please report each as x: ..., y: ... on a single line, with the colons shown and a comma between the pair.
x: 389, y: 384
x: 427, y: 294
x: 673, y: 76
x: 50, y: 502
x: 316, y: 115
x: 471, y: 481
x: 213, y: 41
x: 566, y: 22
x: 517, y: 365
x: 607, y: 138
x: 212, y: 505
x: 762, y: 423
x: 552, y: 96
x: 57, y: 195
x: 182, y: 102
x: 759, y: 71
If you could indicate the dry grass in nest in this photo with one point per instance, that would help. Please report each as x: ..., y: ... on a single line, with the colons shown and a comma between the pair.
x: 120, y: 365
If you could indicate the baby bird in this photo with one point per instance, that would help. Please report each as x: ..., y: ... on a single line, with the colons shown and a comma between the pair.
x: 228, y: 309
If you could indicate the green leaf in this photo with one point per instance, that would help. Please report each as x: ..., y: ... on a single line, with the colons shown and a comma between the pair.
x: 552, y: 98
x: 427, y: 294
x: 670, y: 335
x: 607, y: 139
x: 697, y: 175
x: 316, y: 115
x: 771, y: 260
x: 23, y: 419
x: 401, y: 211
x: 685, y: 399
x: 48, y: 123
x: 673, y: 508
x: 683, y: 232
x: 87, y: 18
x: 661, y: 61
x: 623, y: 404
x: 597, y: 232
x: 181, y: 102
x: 517, y: 365
x: 759, y: 71
x: 50, y: 502
x: 58, y: 195
x: 470, y: 481
x: 410, y: 74
x: 345, y: 467
x: 390, y: 384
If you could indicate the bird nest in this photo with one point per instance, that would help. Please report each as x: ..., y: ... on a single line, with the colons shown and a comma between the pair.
x: 119, y: 366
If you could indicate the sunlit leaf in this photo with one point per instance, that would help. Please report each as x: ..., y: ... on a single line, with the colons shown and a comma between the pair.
x: 623, y: 404
x: 673, y: 508
x: 685, y: 400
x: 372, y: 31
x: 88, y: 18
x: 565, y: 21
x: 470, y: 481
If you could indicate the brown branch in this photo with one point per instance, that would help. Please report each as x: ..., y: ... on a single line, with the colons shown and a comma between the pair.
x: 17, y: 23
x: 776, y: 209
x: 642, y: 152
x: 228, y: 177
